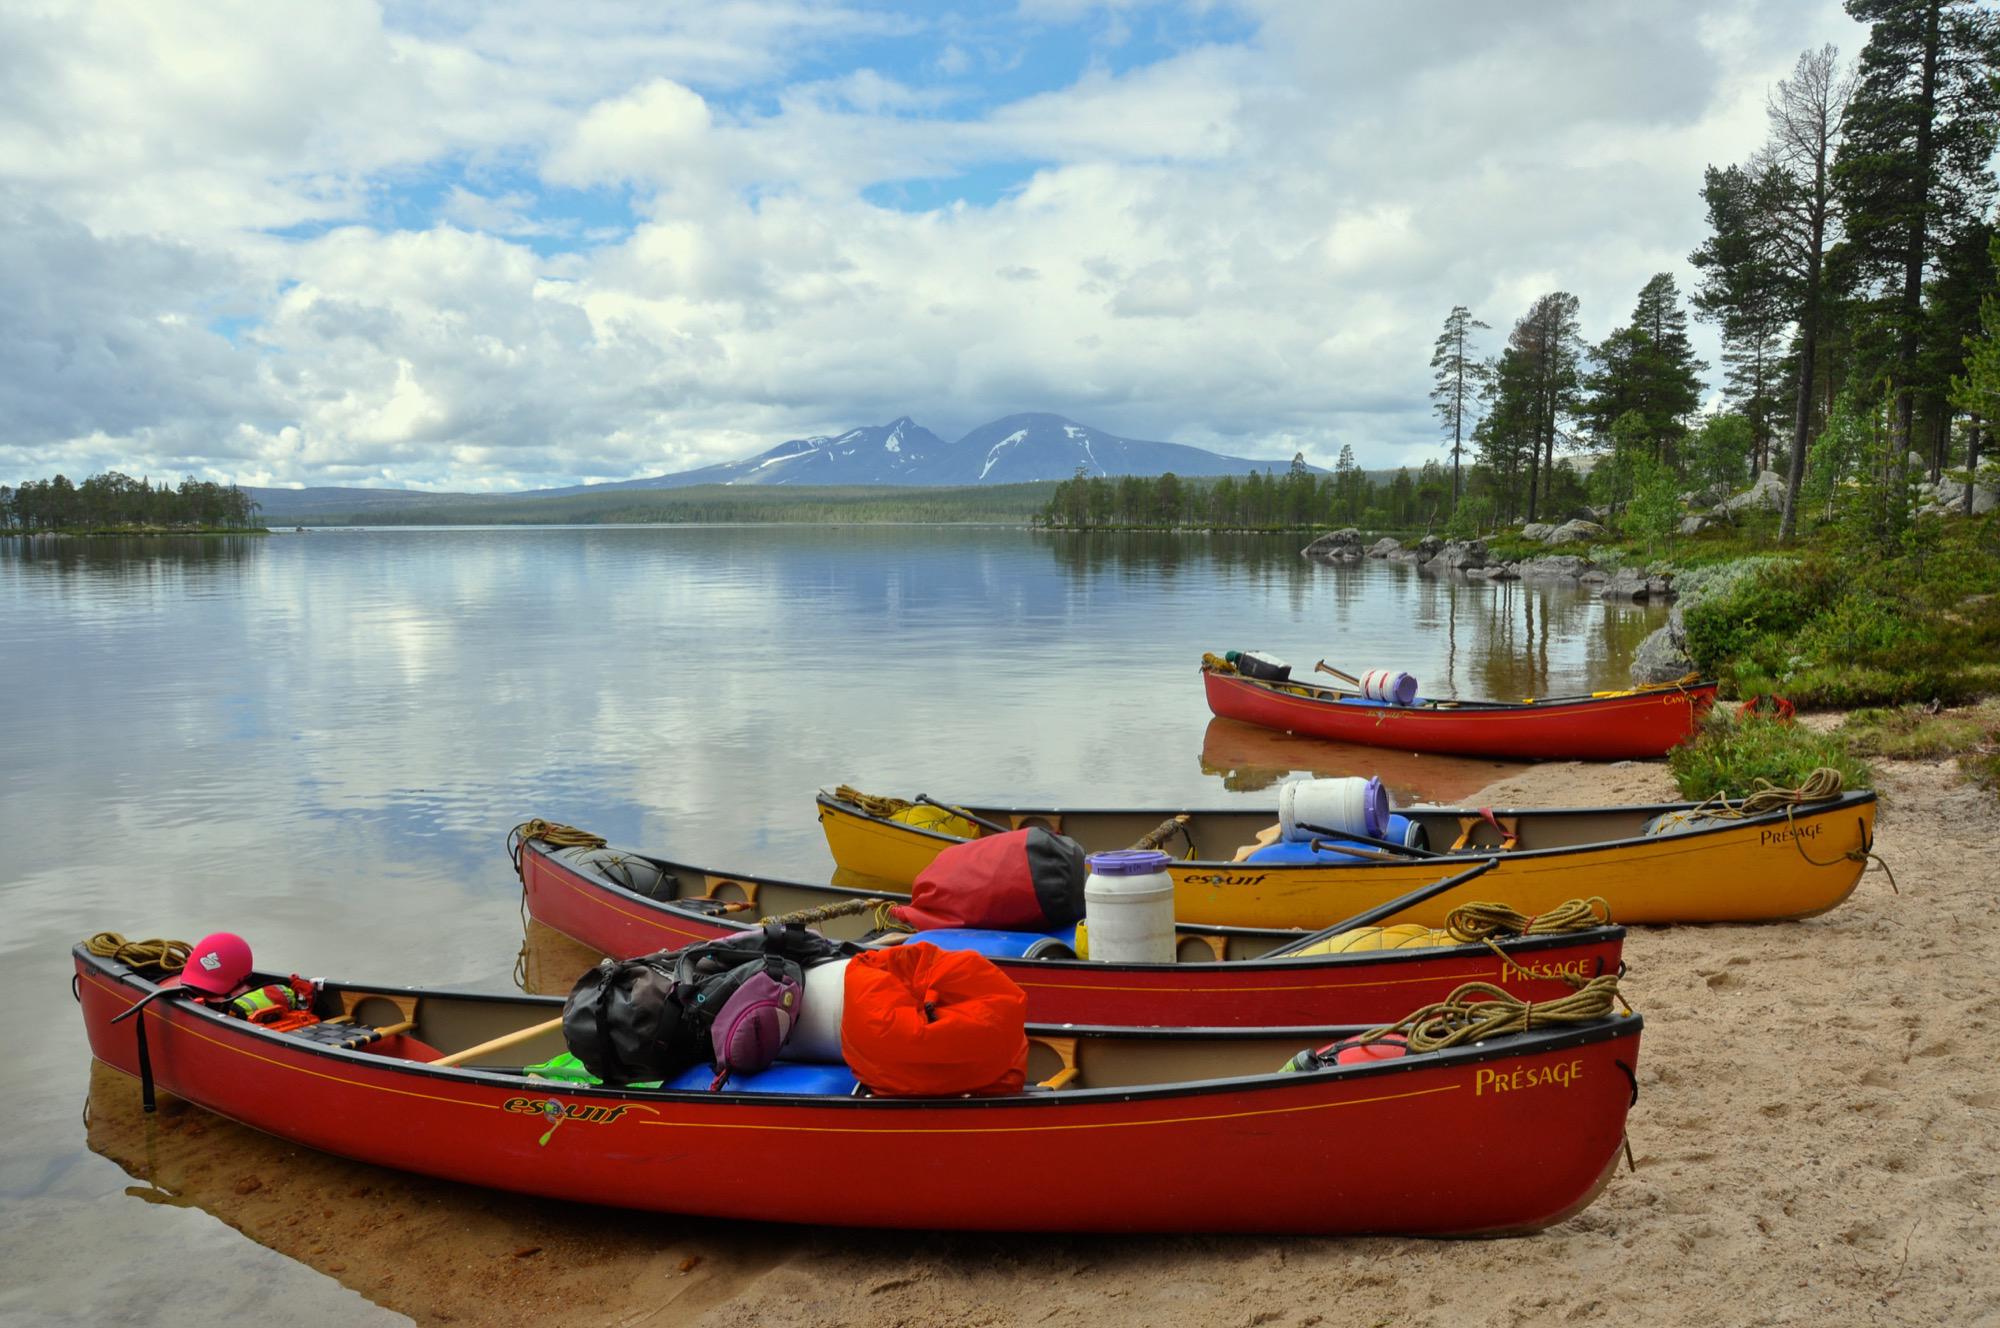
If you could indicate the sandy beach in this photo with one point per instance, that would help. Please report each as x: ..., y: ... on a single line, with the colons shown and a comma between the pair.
x: 1817, y: 1141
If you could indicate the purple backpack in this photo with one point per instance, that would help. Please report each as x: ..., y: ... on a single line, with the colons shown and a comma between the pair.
x: 749, y: 1028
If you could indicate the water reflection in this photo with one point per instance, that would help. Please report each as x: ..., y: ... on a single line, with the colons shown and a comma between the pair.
x: 1250, y: 759
x: 431, y: 1250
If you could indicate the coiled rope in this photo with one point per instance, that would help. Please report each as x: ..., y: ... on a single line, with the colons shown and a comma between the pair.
x: 875, y: 806
x: 548, y: 832
x: 1478, y: 923
x: 1480, y: 1010
x: 152, y: 956
x: 1822, y: 785
x: 1474, y: 922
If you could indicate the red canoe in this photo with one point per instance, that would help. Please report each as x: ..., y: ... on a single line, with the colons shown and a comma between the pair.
x: 1613, y: 727
x: 1157, y: 1130
x: 1226, y: 987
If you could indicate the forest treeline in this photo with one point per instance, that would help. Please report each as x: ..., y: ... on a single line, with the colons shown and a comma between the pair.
x: 1849, y: 267
x: 113, y: 501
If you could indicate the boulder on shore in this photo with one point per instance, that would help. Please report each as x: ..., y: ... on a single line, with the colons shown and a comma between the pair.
x: 1661, y: 657
x: 1537, y: 530
x: 1384, y: 547
x: 1576, y: 532
x: 1766, y: 494
x: 1694, y: 525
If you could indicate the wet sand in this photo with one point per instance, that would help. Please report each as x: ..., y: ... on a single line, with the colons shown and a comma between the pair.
x: 1817, y: 1137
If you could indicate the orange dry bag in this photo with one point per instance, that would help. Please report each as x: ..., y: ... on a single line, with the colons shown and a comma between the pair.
x: 923, y: 1022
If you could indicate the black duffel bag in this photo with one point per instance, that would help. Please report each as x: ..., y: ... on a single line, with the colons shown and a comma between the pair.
x: 648, y: 1018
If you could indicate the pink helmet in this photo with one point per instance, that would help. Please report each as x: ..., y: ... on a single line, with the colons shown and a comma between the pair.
x: 218, y: 964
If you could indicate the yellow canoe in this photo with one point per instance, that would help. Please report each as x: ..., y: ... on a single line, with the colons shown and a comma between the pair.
x: 1785, y: 864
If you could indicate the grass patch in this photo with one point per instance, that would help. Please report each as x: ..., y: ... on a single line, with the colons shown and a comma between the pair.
x: 1912, y: 733
x: 1729, y: 756
x: 1836, y: 629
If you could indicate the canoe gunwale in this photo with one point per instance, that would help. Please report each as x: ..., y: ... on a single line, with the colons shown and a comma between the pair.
x: 1258, y: 964
x: 1438, y: 706
x: 1847, y: 800
x: 248, y: 1038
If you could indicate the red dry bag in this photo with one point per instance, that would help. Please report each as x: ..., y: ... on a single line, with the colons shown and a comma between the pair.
x: 923, y: 1022
x: 1023, y: 880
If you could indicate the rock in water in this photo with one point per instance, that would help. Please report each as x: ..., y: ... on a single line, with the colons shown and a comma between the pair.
x: 1336, y: 546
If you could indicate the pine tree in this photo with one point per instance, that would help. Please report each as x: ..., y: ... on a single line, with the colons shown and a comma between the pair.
x: 1745, y: 292
x: 1914, y: 171
x: 1648, y: 368
x: 1457, y: 376
x: 1808, y: 115
x: 1546, y: 349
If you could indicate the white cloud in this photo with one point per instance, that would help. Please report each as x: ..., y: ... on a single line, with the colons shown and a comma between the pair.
x: 1246, y: 245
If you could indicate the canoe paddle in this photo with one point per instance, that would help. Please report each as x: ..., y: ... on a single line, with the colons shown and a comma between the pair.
x: 1374, y: 915
x: 1408, y: 850
x: 960, y: 812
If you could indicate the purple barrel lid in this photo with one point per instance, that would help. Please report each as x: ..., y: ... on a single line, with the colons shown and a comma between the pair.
x: 1128, y: 862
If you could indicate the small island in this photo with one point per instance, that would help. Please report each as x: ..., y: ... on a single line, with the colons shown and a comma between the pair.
x: 117, y: 504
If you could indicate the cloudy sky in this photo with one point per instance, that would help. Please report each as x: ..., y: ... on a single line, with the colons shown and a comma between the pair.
x: 481, y: 245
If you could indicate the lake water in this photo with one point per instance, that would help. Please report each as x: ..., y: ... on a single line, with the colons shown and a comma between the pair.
x: 320, y: 741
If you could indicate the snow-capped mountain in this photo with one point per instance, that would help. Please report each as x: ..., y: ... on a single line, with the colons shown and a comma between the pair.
x: 1021, y: 448
x: 899, y: 452
x: 1014, y: 450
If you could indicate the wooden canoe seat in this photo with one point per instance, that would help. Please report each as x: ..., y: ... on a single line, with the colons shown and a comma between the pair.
x: 1200, y: 948
x: 748, y: 889
x: 1508, y: 828
x: 1050, y: 821
x: 1268, y: 835
x: 405, y: 1006
x: 1064, y: 1049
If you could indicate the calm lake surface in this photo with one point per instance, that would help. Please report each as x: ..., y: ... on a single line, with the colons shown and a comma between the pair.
x: 320, y: 740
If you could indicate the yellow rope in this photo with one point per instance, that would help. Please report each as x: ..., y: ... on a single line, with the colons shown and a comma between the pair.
x: 1822, y: 785
x: 868, y: 802
x: 154, y: 956
x: 1478, y: 923
x: 1474, y: 922
x: 1480, y: 1010
x: 1213, y: 663
x: 548, y: 832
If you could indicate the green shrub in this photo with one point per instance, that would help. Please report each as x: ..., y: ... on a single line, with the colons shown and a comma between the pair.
x: 1729, y: 756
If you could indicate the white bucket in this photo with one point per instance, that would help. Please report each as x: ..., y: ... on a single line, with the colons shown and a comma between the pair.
x: 1128, y: 907
x: 1317, y: 808
x: 1389, y: 685
x: 816, y: 1032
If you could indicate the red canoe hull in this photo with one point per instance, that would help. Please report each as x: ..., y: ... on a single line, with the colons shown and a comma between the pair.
x: 1367, y: 988
x: 1611, y: 728
x: 1463, y: 1142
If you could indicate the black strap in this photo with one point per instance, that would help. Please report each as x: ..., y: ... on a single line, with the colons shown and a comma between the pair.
x: 146, y: 1095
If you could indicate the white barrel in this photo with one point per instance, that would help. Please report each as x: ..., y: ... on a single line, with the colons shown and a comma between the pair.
x: 816, y: 1032
x: 1389, y: 685
x: 1128, y: 907
x: 1318, y: 808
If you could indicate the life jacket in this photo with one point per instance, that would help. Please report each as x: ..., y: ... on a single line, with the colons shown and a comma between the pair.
x: 282, y: 1006
x: 731, y: 1002
x: 1024, y: 880
x: 923, y: 1022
